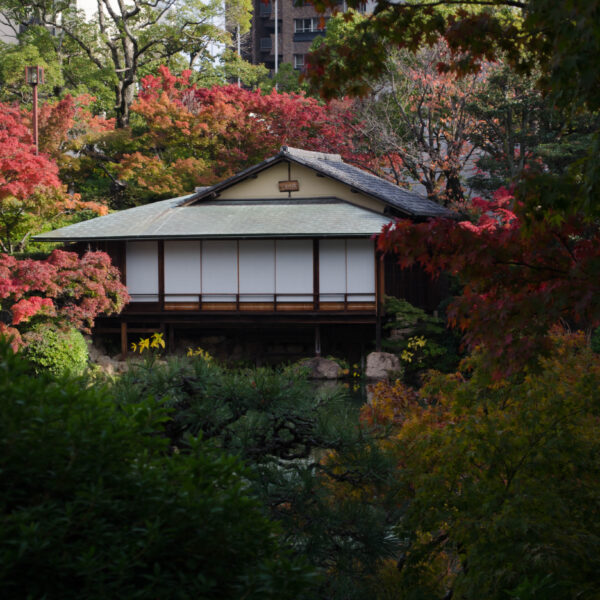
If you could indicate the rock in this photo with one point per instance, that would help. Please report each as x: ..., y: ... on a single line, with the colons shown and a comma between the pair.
x: 322, y: 368
x: 94, y: 352
x: 106, y: 363
x: 380, y: 365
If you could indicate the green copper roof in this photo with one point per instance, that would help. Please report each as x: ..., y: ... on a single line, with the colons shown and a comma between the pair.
x: 171, y: 219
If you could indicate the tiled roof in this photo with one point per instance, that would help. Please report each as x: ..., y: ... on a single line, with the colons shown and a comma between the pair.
x: 172, y: 219
x: 332, y: 165
x: 202, y: 215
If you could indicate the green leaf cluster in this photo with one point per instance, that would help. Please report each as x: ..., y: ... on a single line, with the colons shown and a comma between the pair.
x: 283, y: 430
x: 441, y: 348
x: 56, y: 351
x: 92, y: 503
x: 505, y: 482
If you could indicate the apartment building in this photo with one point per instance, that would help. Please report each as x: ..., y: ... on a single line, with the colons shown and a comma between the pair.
x: 298, y: 25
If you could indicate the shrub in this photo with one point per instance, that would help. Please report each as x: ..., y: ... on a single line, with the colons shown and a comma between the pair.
x: 501, y: 479
x: 426, y: 343
x: 281, y: 427
x: 56, y: 351
x: 92, y: 506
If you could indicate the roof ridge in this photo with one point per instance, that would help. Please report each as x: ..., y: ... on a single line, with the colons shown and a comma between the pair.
x: 299, y: 152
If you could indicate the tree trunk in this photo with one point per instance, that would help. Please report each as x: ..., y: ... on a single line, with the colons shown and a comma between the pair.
x: 125, y: 91
x: 126, y: 85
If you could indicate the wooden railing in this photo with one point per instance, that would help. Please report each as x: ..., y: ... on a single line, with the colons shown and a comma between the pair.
x: 262, y: 302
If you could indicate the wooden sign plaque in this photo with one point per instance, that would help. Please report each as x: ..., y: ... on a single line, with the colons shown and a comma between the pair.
x: 289, y: 186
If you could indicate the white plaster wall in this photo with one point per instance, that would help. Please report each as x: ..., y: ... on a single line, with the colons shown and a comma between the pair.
x: 266, y: 186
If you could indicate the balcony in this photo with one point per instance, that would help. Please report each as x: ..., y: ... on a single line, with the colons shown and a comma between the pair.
x: 307, y: 36
x: 342, y: 302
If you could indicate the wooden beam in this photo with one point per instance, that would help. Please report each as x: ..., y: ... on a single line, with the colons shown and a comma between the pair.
x: 124, y: 339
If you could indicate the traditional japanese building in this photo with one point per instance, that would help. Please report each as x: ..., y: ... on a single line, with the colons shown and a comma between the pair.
x: 286, y: 244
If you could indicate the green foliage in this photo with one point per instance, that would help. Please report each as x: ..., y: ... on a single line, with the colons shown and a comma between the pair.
x: 13, y: 60
x: 424, y: 341
x: 522, y: 130
x: 282, y: 429
x: 92, y: 503
x: 234, y: 67
x: 286, y: 80
x: 502, y: 480
x: 595, y: 340
x: 56, y: 351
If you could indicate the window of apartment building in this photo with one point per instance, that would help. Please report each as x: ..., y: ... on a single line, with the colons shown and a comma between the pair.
x: 310, y: 25
x: 299, y: 61
x: 266, y: 43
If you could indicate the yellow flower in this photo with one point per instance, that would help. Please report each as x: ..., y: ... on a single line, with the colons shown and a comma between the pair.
x: 144, y: 344
x: 134, y: 346
x: 190, y: 352
x: 157, y: 340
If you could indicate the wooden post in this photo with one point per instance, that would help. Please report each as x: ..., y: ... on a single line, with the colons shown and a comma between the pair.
x: 380, y: 282
x: 316, y: 290
x: 161, y: 274
x: 317, y: 341
x: 171, y: 346
x: 124, y: 339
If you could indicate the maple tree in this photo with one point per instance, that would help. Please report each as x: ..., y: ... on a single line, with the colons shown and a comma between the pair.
x: 22, y: 172
x: 31, y: 193
x: 420, y: 121
x: 185, y: 136
x: 529, y: 259
x: 555, y: 38
x: 522, y: 273
x: 62, y: 288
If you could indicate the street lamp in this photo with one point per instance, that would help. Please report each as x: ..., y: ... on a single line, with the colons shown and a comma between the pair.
x: 34, y: 76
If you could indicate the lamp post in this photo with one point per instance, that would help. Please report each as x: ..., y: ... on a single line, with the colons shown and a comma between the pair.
x: 34, y: 76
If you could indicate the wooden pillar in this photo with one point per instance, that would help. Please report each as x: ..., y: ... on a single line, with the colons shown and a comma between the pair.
x: 379, y: 282
x: 124, y: 339
x: 316, y: 290
x: 161, y: 274
x: 379, y: 297
x: 317, y: 341
x: 171, y: 334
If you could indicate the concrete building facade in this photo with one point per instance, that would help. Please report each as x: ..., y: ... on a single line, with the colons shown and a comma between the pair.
x: 298, y: 25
